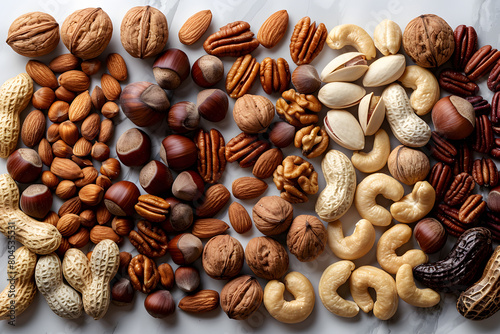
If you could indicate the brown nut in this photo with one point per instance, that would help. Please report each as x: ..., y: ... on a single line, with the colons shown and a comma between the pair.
x: 441, y: 149
x: 122, y: 292
x: 439, y: 178
x: 282, y: 134
x: 296, y: 178
x: 253, y: 113
x: 33, y: 128
x: 266, y: 257
x: 143, y: 273
x: 183, y: 117
x: 211, y: 155
x: 306, y: 238
x: 273, y: 29
x: 267, y: 163
x: 465, y: 45
x: 430, y: 235
x: 247, y: 187
x: 185, y: 248
x: 274, y: 75
x: 485, y: 172
x: 313, y: 140
x: 302, y: 109
x: 483, y: 135
x: 241, y: 76
x: 200, y: 302
x: 408, y: 165
x: 205, y: 228
x: 457, y: 83
x: 481, y: 62
x: 453, y: 117
x: 152, y: 208
x: 167, y: 277
x: 234, y: 39
x: 159, y: 304
x: 207, y: 71
x: 471, y: 209
x: 212, y: 104
x: 187, y: 278
x: 36, y: 200
x: 214, y: 199
x: 122, y: 225
x: 133, y: 147
x: 241, y: 297
x: 305, y: 79
x: 245, y: 148
x: 155, y: 178
x: 460, y: 189
x: 149, y: 240
x: 194, y: 27
x: 171, y: 68
x: 307, y: 41
x: 24, y: 165
x: 188, y: 186
x: 272, y: 215
x: 223, y: 257
x: 144, y: 103
x: 239, y: 218
x: 43, y: 98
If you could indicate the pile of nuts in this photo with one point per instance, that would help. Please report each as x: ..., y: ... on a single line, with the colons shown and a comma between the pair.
x: 181, y: 195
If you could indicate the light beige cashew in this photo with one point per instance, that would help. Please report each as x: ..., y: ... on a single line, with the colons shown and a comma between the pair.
x: 387, y: 37
x: 376, y: 159
x: 415, y: 205
x: 333, y: 277
x: 425, y: 85
x: 354, y: 246
x: 409, y: 292
x: 367, y: 192
x: 351, y: 34
x: 385, y: 287
x: 293, y: 311
x: 391, y: 240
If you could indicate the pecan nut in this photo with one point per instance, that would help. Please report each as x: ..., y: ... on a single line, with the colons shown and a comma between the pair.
x: 457, y: 83
x: 296, y: 178
x: 307, y: 41
x: 465, y: 45
x: 492, y: 223
x: 274, y: 75
x: 460, y: 189
x: 152, y: 208
x: 211, y: 155
x: 148, y: 240
x: 481, y: 62
x: 483, y: 136
x: 241, y: 76
x: 495, y: 108
x: 440, y: 178
x: 493, y: 82
x: 464, y: 159
x: 480, y: 105
x: 448, y: 216
x: 441, y: 149
x: 143, y: 273
x: 246, y: 148
x: 313, y: 140
x: 234, y: 40
x: 472, y: 209
x: 302, y: 109
x: 485, y: 172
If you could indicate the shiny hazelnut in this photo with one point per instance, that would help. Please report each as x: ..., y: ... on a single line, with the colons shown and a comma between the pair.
x: 64, y: 95
x: 155, y: 178
x: 98, y: 98
x: 207, y: 71
x: 36, y: 201
x: 122, y: 292
x: 188, y: 186
x: 453, y: 117
x: 122, y: 225
x: 50, y: 179
x: 144, y: 103
x: 53, y: 133
x: 180, y: 218
x: 110, y: 109
x: 183, y: 117
x: 282, y: 134
x: 24, y: 165
x: 88, y: 218
x: 305, y: 79
x: 159, y: 304
x: 100, y: 151
x: 133, y: 147
x: 125, y: 258
x: 42, y: 99
x: 185, y: 248
x: 212, y: 104
x: 69, y: 132
x: 171, y: 68
x: 167, y: 277
x: 58, y: 112
x: 493, y: 200
x: 91, y: 194
x: 65, y: 189
x: 111, y: 168
x: 430, y: 235
x: 121, y: 198
x: 178, y: 152
x: 408, y: 165
x: 187, y: 278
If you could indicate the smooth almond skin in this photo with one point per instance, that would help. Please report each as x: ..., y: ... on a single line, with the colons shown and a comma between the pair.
x: 248, y: 187
x: 80, y: 107
x: 273, y: 29
x: 33, y: 128
x: 41, y: 74
x: 208, y: 227
x: 194, y: 27
x: 384, y: 71
x: 267, y: 163
x: 344, y: 129
x: 117, y: 67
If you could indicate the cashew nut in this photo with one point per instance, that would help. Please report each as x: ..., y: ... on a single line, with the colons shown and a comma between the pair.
x: 409, y: 292
x: 351, y: 34
x: 354, y: 246
x: 385, y: 287
x: 375, y: 159
x: 333, y: 277
x: 415, y: 205
x: 293, y: 311
x: 391, y: 240
x: 387, y: 37
x: 367, y: 192
x: 425, y: 85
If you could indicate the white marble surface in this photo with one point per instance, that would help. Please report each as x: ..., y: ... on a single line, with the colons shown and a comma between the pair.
x: 483, y: 15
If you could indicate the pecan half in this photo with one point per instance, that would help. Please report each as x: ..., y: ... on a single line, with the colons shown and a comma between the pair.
x: 143, y: 273
x: 485, y: 172
x: 149, y: 240
x: 457, y: 83
x: 302, y: 109
x: 211, y: 155
x: 274, y: 75
x: 234, y: 39
x: 241, y: 76
x: 313, y: 140
x: 448, y: 216
x: 480, y: 105
x: 492, y: 223
x: 152, y: 208
x: 441, y: 149
x: 483, y: 136
x: 440, y: 178
x: 246, y: 148
x: 460, y: 189
x: 472, y: 209
x: 296, y: 178
x: 481, y: 62
x: 307, y: 41
x: 493, y: 82
x: 464, y: 159
x: 495, y: 108
x: 465, y: 46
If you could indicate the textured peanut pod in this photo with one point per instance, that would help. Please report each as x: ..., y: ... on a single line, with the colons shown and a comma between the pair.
x: 38, y: 237
x: 337, y: 197
x: 15, y: 94
x: 23, y: 271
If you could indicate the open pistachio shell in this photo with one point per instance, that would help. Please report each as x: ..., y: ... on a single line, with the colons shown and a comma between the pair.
x: 339, y: 95
x: 385, y: 70
x: 371, y: 113
x: 348, y: 66
x: 344, y: 129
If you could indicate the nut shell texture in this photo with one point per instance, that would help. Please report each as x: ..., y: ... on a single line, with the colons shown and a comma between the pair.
x: 253, y: 113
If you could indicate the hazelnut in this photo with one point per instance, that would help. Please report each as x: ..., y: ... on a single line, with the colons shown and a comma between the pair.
x: 207, y: 71
x: 122, y: 225
x: 408, y: 165
x: 36, y: 200
x: 453, y: 117
x: 61, y: 150
x: 183, y: 117
x: 58, y: 112
x: 178, y: 152
x: 103, y: 181
x: 144, y: 103
x: 188, y: 186
x: 241, y: 297
x: 64, y: 95
x: 53, y: 133
x: 180, y: 219
x: 91, y: 194
x: 272, y: 215
x: 42, y: 99
x: 212, y: 104
x: 68, y: 224
x: 253, y: 113
x: 171, y: 68
x: 306, y: 238
x: 493, y: 200
x: 88, y: 218
x: 110, y: 109
x: 91, y: 66
x: 50, y: 179
x: 125, y: 258
x: 266, y: 257
x: 159, y: 304
x: 187, y: 278
x: 133, y: 147
x: 111, y: 168
x: 155, y: 178
x: 24, y: 165
x: 305, y: 79
x: 282, y: 134
x: 98, y: 99
x: 121, y: 198
x: 100, y: 151
x: 430, y: 235
x: 122, y: 292
x: 223, y: 257
x: 185, y: 248
x: 167, y: 277
x: 69, y: 132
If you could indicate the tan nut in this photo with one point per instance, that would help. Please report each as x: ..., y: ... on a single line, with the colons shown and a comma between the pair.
x: 376, y: 159
x: 409, y: 292
x: 352, y: 247
x: 351, y: 34
x: 425, y: 88
x: 387, y: 37
x: 415, y: 205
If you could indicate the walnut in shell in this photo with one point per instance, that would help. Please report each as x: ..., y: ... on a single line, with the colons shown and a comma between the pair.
x: 241, y: 297
x: 408, y: 165
x: 306, y: 238
x: 267, y: 258
x: 272, y: 215
x: 253, y: 113
x: 222, y: 257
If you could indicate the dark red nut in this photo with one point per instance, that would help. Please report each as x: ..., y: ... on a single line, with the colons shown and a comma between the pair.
x: 36, y: 201
x: 155, y: 178
x: 144, y: 103
x: 481, y: 62
x: 282, y: 134
x: 495, y: 108
x: 485, y: 172
x: 183, y: 117
x: 211, y: 155
x: 465, y: 46
x: 207, y: 71
x: 430, y: 235
x: 212, y: 104
x: 439, y: 178
x: 483, y: 137
x: 178, y: 152
x: 460, y: 189
x: 171, y: 68
x: 133, y: 147
x: 472, y: 209
x: 494, y: 78
x: 448, y: 216
x: 245, y: 148
x: 442, y: 149
x: 464, y: 159
x: 480, y: 105
x: 24, y: 165
x: 493, y: 200
x: 121, y: 198
x: 457, y: 83
x: 185, y: 248
x: 160, y: 304
x: 453, y: 117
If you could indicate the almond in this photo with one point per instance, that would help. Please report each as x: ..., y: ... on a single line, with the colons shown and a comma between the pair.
x: 267, y: 163
x: 215, y: 198
x: 100, y: 233
x: 80, y: 238
x: 72, y: 205
x: 200, y: 302
x: 116, y: 66
x: 64, y: 62
x: 82, y: 147
x: 41, y: 74
x: 74, y: 80
x: 33, y: 128
x: 106, y: 131
x: 239, y: 218
x: 65, y: 95
x: 91, y: 194
x: 208, y: 227
x: 89, y: 176
x: 68, y: 224
x: 91, y: 126
x: 194, y: 27
x: 45, y: 152
x: 66, y: 169
x: 65, y: 189
x: 273, y: 29
x: 110, y: 87
x: 62, y: 150
x: 91, y: 66
x: 248, y: 187
x: 80, y: 107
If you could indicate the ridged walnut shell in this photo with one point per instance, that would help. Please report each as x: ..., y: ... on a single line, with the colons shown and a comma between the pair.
x: 267, y: 258
x: 223, y: 257
x: 272, y: 215
x: 241, y: 297
x: 253, y: 113
x: 87, y: 32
